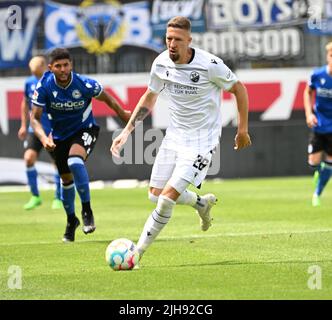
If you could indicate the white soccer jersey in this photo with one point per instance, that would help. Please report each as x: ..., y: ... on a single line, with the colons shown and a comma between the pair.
x: 194, y: 92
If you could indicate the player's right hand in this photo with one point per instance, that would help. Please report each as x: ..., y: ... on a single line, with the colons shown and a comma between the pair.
x: 22, y: 133
x: 118, y: 142
x: 48, y: 143
x: 311, y: 121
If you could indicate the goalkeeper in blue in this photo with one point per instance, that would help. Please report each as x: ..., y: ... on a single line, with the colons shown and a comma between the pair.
x: 318, y: 112
x: 66, y: 97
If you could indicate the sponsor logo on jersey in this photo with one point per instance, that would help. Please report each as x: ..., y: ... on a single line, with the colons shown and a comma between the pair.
x: 324, y: 93
x: 68, y: 105
x: 76, y: 94
x: 194, y: 76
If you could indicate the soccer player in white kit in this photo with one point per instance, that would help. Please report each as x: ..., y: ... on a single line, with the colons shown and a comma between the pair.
x: 192, y: 79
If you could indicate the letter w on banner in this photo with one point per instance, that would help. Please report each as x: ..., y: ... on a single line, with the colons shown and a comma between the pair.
x: 18, y: 22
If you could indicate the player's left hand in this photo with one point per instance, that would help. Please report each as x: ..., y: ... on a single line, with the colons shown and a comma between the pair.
x: 242, y: 140
x: 125, y: 116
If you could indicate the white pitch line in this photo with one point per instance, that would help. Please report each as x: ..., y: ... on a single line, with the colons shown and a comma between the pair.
x: 187, y: 237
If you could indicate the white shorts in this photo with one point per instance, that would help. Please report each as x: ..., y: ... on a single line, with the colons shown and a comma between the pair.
x: 175, y: 164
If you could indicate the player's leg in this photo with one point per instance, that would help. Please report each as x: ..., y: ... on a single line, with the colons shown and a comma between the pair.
x: 81, y: 147
x: 191, y: 168
x: 67, y: 190
x: 202, y: 204
x: 68, y: 200
x: 32, y: 149
x: 162, y: 171
x: 163, y: 211
x: 158, y: 218
x: 314, y: 161
x: 56, y: 203
x: 317, y: 143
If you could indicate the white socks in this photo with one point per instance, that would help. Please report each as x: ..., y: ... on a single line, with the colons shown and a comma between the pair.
x: 155, y: 223
x: 186, y: 197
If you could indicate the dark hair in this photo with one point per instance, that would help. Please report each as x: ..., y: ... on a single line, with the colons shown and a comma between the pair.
x: 58, y: 54
x: 179, y: 22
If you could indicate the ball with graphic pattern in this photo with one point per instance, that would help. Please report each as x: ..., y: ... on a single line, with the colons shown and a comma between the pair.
x: 122, y: 254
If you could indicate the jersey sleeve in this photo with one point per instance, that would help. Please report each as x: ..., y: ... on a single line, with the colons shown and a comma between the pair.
x: 39, y: 97
x: 221, y: 75
x: 92, y: 88
x: 155, y: 84
x: 311, y: 81
x: 26, y: 91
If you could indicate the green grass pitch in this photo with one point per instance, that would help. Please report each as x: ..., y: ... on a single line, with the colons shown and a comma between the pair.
x: 265, y: 242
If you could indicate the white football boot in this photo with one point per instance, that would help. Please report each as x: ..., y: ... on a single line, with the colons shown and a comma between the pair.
x: 204, y: 212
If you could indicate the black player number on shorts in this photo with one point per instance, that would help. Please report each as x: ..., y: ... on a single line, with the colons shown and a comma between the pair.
x: 200, y: 163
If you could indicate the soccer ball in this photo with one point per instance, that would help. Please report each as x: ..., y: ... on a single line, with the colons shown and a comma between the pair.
x: 122, y: 254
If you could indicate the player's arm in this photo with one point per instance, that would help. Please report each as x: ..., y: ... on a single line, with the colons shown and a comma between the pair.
x: 35, y: 122
x: 308, y: 101
x: 242, y: 138
x: 22, y: 132
x: 112, y: 103
x: 142, y: 109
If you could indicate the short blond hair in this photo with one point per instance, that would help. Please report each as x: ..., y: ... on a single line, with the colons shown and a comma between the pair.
x: 328, y: 47
x: 179, y: 22
x: 37, y: 62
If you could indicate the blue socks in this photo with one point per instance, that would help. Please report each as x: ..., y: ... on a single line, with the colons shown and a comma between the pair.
x: 324, y: 170
x: 81, y: 182
x: 81, y: 178
x: 32, y: 180
x: 57, y: 181
x: 68, y: 198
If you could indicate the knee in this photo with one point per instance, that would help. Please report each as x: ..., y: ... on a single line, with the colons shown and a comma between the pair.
x: 67, y: 179
x: 29, y: 159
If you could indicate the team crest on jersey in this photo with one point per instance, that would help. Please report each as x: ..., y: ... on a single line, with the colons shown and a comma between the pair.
x: 55, y: 93
x: 76, y: 94
x: 322, y: 81
x: 194, y: 76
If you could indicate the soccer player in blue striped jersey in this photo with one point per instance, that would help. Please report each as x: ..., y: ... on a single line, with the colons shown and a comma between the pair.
x: 66, y: 97
x: 318, y: 112
x: 32, y: 145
